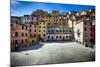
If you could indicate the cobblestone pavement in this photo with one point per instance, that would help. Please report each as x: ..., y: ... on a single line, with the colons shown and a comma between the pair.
x: 51, y: 53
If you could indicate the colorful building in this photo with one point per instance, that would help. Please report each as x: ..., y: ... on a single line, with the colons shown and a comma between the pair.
x: 25, y: 19
x: 85, y: 28
x: 58, y: 33
x: 55, y: 26
x: 19, y: 33
x: 42, y: 29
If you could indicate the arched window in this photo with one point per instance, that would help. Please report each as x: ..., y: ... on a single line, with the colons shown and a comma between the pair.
x: 56, y: 36
x: 59, y: 36
x: 52, y: 37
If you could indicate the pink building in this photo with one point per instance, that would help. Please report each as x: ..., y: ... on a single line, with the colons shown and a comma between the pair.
x: 19, y: 33
x: 33, y: 29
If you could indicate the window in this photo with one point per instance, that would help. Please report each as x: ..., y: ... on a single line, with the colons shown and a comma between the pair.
x: 34, y: 34
x: 91, y: 28
x: 85, y: 29
x: 59, y: 36
x: 49, y: 31
x: 63, y: 30
x: 11, y: 25
x: 26, y: 34
x: 16, y: 41
x: 60, y: 30
x: 63, y: 37
x: 29, y: 30
x: 85, y: 23
x: 33, y: 41
x: 22, y: 41
x: 35, y: 30
x: 32, y: 18
x: 39, y: 26
x: 85, y: 40
x: 92, y: 17
x: 37, y: 18
x: 30, y: 25
x: 91, y: 40
x: 48, y: 23
x: 52, y: 37
x: 91, y: 34
x: 22, y: 27
x: 44, y: 30
x: 35, y: 26
x: 26, y: 27
x: 27, y: 18
x: 66, y: 30
x: 56, y: 36
x: 16, y: 21
x: 42, y: 17
x: 44, y: 35
x: 48, y: 37
x: 69, y: 36
x: 69, y: 30
x: 85, y: 35
x: 56, y: 30
x: 44, y: 26
x: 39, y: 30
x: 22, y: 34
x: 66, y: 36
x: 52, y: 31
x: 16, y: 33
x: 59, y: 23
x: 25, y: 40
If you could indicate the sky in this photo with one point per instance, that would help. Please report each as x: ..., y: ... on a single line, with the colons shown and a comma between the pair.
x: 20, y: 8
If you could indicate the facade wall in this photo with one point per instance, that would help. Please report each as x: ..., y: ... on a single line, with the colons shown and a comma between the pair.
x: 55, y: 37
x: 87, y: 31
x: 26, y: 19
x: 79, y: 27
x: 59, y: 33
x: 33, y: 29
x: 42, y: 29
x: 19, y: 34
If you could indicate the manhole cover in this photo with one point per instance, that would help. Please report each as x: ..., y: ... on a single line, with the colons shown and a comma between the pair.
x: 26, y: 54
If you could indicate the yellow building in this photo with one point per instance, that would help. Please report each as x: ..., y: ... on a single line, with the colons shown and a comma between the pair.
x: 31, y: 40
x: 48, y: 20
x: 42, y: 29
x: 43, y: 26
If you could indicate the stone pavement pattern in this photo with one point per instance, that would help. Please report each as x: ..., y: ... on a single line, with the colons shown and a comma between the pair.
x: 54, y: 53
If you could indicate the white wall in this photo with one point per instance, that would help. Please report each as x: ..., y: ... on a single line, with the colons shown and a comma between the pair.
x: 80, y: 27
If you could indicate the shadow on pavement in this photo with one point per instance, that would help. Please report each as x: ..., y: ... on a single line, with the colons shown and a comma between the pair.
x: 49, y: 41
x: 31, y: 47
